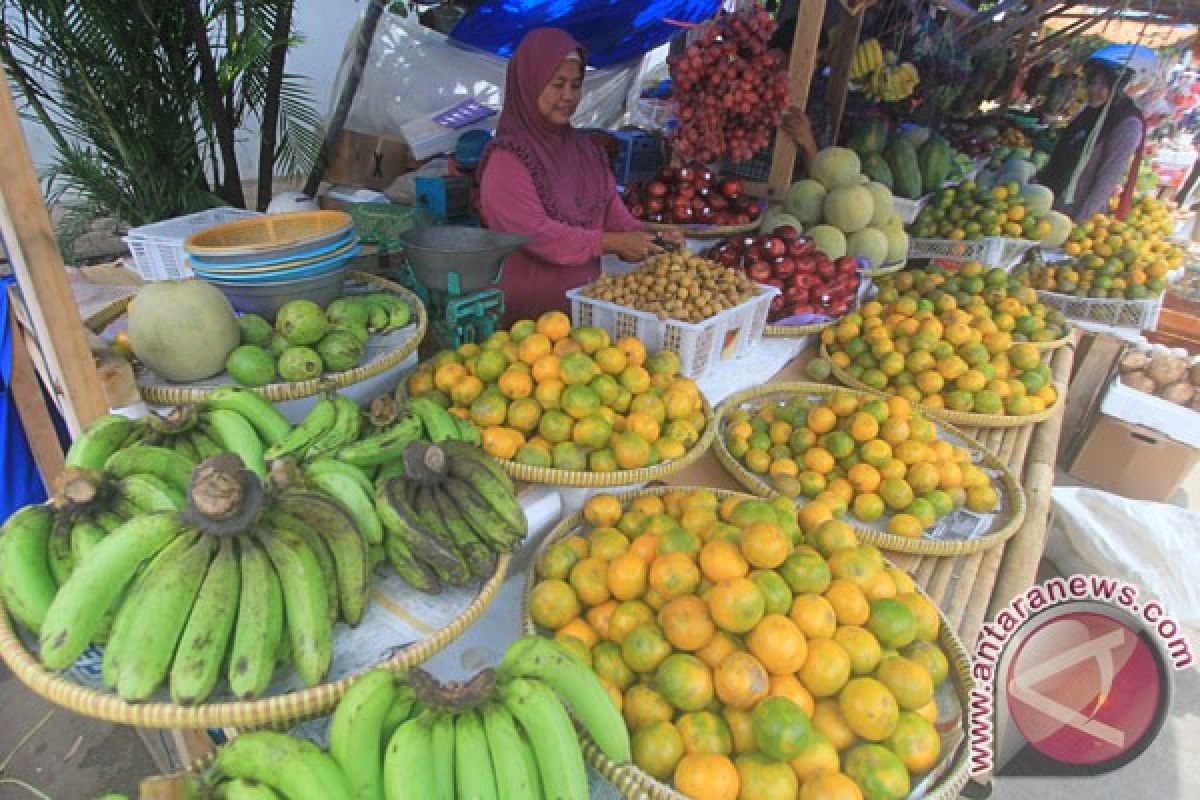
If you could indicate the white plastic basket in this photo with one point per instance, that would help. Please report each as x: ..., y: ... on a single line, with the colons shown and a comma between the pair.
x: 157, y: 248
x: 700, y: 346
x: 1113, y: 313
x: 991, y: 251
x: 907, y: 209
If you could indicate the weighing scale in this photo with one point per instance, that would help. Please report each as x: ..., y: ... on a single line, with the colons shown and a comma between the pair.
x: 454, y: 270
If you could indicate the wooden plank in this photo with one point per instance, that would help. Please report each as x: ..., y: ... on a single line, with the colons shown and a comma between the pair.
x: 801, y: 66
x: 1097, y: 361
x: 30, y: 242
x: 843, y: 60
x: 31, y: 406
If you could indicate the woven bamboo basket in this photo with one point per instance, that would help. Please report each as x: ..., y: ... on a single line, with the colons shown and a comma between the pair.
x: 635, y: 784
x: 281, y: 709
x: 706, y: 231
x: 966, y: 418
x: 1002, y: 530
x: 886, y: 269
x: 794, y: 331
x: 170, y: 394
x: 581, y: 479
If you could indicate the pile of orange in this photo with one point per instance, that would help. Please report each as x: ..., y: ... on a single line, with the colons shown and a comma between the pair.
x: 941, y: 356
x: 755, y: 655
x: 545, y: 394
x: 862, y: 455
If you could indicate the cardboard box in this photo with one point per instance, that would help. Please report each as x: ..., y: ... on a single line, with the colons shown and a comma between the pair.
x: 1132, y: 460
x: 372, y: 162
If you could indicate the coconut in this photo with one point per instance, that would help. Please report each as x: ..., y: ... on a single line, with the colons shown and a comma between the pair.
x: 1166, y: 368
x: 1181, y: 393
x: 1140, y: 381
x: 1133, y: 361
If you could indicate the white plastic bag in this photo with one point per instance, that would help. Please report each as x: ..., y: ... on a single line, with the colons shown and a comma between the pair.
x: 1150, y: 545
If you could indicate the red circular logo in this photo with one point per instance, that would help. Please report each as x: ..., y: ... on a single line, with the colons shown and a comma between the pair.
x: 1085, y: 688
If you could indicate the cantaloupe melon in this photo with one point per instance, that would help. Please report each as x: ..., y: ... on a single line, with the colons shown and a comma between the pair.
x: 805, y: 200
x: 849, y: 209
x: 836, y: 167
x: 885, y: 205
x: 182, y: 330
x: 1038, y: 198
x: 869, y: 243
x: 829, y: 240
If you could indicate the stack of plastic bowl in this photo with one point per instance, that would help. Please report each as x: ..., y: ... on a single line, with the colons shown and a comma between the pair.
x: 260, y: 263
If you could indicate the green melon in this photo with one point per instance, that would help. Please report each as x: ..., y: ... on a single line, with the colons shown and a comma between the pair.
x: 189, y: 352
x: 1060, y: 229
x: 805, y: 200
x: 885, y: 205
x: 849, y: 209
x: 1038, y: 198
x: 829, y: 240
x: 869, y: 243
x: 897, y: 245
x: 836, y: 167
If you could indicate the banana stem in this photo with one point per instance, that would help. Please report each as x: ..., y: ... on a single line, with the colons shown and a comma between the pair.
x: 453, y: 696
x: 224, y: 498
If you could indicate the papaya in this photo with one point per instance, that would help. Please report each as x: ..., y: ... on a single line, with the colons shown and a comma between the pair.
x: 870, y: 138
x: 875, y: 168
x: 901, y: 158
x: 933, y: 160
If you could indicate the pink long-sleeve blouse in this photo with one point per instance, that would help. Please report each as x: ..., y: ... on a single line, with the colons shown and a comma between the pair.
x: 558, y: 256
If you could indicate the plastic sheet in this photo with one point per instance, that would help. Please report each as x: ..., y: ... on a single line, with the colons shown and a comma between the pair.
x: 413, y: 72
x: 20, y: 482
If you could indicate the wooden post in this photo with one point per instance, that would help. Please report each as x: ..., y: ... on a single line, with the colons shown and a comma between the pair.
x: 843, y: 60
x: 26, y: 390
x: 803, y: 63
x: 33, y: 251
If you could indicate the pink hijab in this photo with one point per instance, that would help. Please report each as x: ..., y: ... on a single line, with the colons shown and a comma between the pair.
x: 569, y: 171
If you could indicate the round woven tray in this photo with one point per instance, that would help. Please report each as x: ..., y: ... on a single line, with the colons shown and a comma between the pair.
x: 285, y: 708
x: 902, y: 544
x: 171, y: 394
x: 966, y: 418
x: 581, y: 479
x: 635, y: 784
x: 705, y: 231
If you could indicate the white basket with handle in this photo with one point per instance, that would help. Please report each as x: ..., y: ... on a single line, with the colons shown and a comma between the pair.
x: 907, y: 209
x: 157, y: 248
x: 1109, y: 312
x: 991, y: 251
x: 700, y: 346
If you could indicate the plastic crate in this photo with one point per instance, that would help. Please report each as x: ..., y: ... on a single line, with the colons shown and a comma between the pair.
x: 700, y: 346
x: 909, y: 209
x: 1113, y: 313
x: 157, y: 248
x: 992, y: 251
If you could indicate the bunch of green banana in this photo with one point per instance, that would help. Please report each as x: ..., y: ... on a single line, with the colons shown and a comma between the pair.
x: 375, y: 312
x: 447, y: 515
x: 331, y: 424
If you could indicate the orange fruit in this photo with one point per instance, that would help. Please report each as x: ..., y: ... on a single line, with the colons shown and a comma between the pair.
x: 877, y: 771
x: 830, y: 785
x: 831, y: 535
x: 626, y: 577
x: 657, y: 747
x: 741, y: 681
x: 704, y: 732
x: 591, y: 432
x: 686, y: 623
x: 674, y: 574
x: 763, y: 779
x: 489, y: 410
x: 789, y: 686
x: 828, y: 718
x: 909, y: 682
x: 501, y: 442
x: 817, y: 756
x: 545, y: 368
x: 849, y: 602
x: 635, y: 378
x: 765, y: 545
x: 602, y: 510
x: 524, y: 414
x: 514, y: 384
x: 717, y: 648
x: 533, y: 347
x: 736, y: 604
x: 581, y: 630
x: 826, y: 669
x: 685, y: 681
x: 812, y: 514
x: 707, y: 776
x: 553, y: 603
x: 778, y: 644
x: 869, y: 708
x: 600, y: 616
x: 721, y: 560
x: 611, y: 360
x: 554, y: 325
x: 556, y: 427
x: 625, y: 617
x: 644, y: 648
x: 576, y: 368
x: 589, y: 578
x: 642, y: 424
x: 630, y: 450
x: 643, y: 705
x: 607, y: 543
x: 814, y: 616
x: 862, y: 647
x: 634, y: 350
x: 591, y: 338
x: 915, y: 742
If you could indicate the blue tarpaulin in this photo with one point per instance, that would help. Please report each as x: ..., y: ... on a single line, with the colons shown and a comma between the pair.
x: 612, y: 31
x: 20, y: 483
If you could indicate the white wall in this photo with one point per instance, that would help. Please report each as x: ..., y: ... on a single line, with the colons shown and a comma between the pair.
x: 324, y: 24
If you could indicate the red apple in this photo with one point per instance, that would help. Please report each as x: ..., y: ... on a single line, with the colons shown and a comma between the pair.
x: 826, y: 269
x: 685, y: 191
x: 759, y: 272
x: 801, y: 245
x: 846, y: 265
x: 783, y: 266
x: 774, y: 246
x: 731, y: 188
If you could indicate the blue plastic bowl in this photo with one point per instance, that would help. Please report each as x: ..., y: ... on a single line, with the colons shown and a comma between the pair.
x: 218, y: 265
x: 321, y: 267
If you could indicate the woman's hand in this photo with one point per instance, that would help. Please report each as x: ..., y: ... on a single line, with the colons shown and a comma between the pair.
x: 632, y: 245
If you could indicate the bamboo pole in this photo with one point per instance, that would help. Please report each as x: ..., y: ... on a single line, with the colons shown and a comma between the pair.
x: 803, y: 63
x: 843, y: 60
x: 41, y: 276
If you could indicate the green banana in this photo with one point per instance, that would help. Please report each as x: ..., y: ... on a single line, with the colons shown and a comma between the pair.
x: 146, y: 494
x: 205, y: 447
x: 485, y: 476
x: 259, y: 625
x: 205, y: 639
x: 342, y: 486
x: 108, y: 520
x: 555, y: 744
x: 130, y: 605
x: 480, y: 558
x: 319, y: 419
x: 85, y: 535
x: 347, y: 424
x: 155, y: 628
x: 408, y: 763
x: 531, y: 767
x: 439, y: 423
x: 239, y: 789
x: 382, y: 447
x: 58, y: 551
x: 416, y: 574
x: 468, y: 432
x: 26, y: 582
x: 483, y: 519
x: 504, y: 744
x: 182, y: 445
x: 428, y: 516
x: 231, y: 431
x: 89, y: 594
x: 403, y: 706
x: 356, y: 733
x: 102, y: 438
x: 270, y: 424
x: 167, y: 465
x: 393, y: 469
x: 400, y: 521
x: 346, y: 544
x: 442, y: 742
x: 305, y: 601
x: 295, y: 768
x: 474, y: 771
x: 319, y: 549
x: 378, y: 318
x: 540, y: 658
x: 399, y: 314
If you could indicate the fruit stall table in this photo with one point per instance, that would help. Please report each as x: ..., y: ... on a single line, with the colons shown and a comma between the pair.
x: 972, y: 587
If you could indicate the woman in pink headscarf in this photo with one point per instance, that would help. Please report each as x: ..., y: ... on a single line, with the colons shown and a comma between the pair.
x: 543, y: 179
